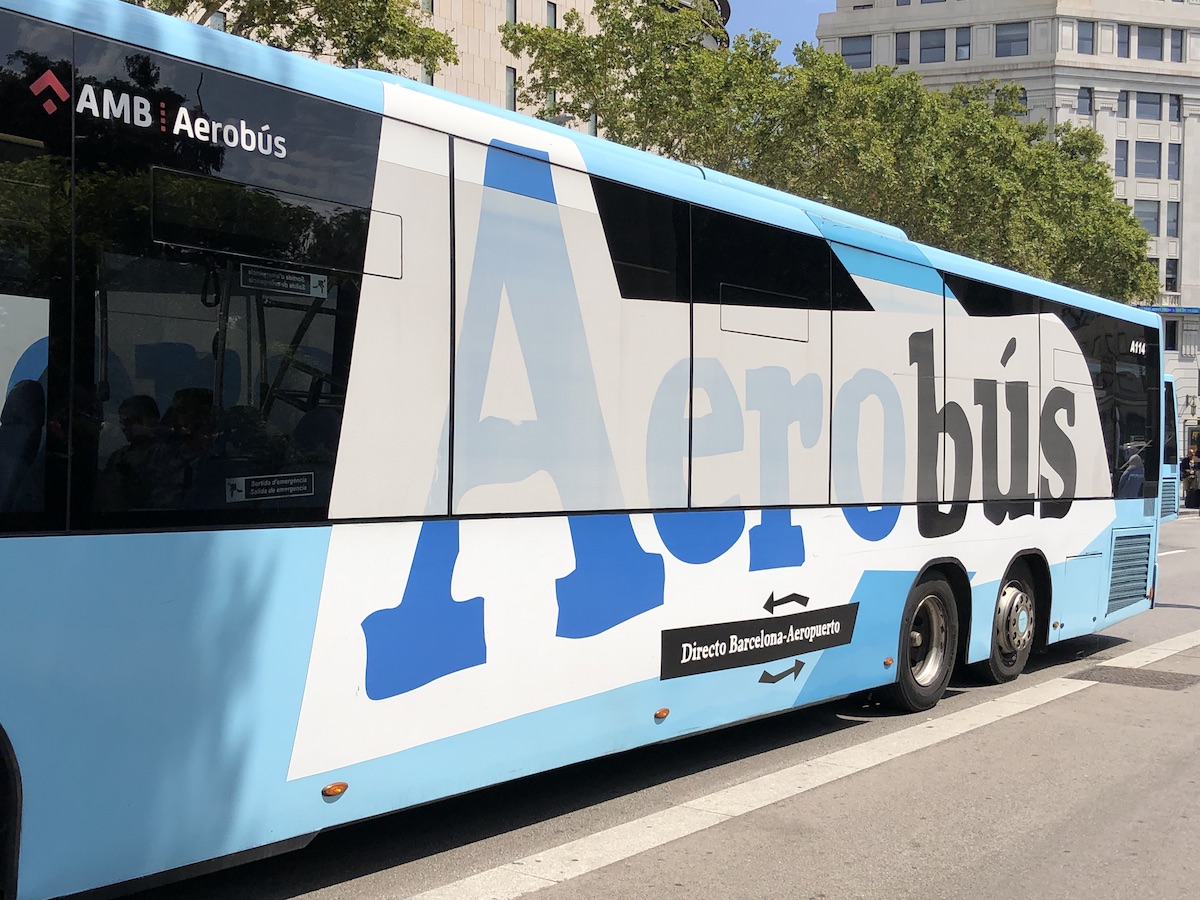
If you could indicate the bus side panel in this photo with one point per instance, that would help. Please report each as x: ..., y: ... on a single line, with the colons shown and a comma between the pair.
x: 149, y: 685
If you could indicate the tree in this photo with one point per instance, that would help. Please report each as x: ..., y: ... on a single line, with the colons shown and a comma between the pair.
x: 649, y: 78
x: 960, y: 170
x: 377, y: 34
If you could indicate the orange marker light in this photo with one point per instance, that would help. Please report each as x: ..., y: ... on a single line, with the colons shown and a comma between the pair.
x: 887, y: 663
x: 661, y: 714
x: 334, y: 790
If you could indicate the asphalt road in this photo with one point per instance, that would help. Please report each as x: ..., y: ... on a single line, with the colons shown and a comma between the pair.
x: 1077, y: 780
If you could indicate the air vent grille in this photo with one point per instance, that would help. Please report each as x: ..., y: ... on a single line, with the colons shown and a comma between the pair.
x: 1130, y: 570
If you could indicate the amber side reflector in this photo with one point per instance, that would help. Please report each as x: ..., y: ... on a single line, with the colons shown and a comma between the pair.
x: 334, y: 790
x: 887, y: 663
x: 661, y: 714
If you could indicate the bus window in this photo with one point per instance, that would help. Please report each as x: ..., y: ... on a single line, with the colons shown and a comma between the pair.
x: 35, y: 230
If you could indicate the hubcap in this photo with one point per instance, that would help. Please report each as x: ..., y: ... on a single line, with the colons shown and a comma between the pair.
x: 1014, y: 619
x: 927, y: 647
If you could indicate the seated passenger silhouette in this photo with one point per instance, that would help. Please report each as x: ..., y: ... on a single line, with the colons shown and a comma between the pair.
x: 243, y: 446
x: 128, y: 477
x: 1132, y: 478
x: 21, y: 422
x: 188, y: 440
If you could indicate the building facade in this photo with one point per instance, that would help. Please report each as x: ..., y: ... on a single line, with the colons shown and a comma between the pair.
x: 485, y: 70
x: 1128, y: 68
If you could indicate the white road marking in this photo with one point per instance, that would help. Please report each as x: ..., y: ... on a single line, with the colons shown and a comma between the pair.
x: 575, y: 858
x: 1171, y: 552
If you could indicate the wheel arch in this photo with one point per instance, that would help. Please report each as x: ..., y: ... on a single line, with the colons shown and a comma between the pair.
x: 1039, y: 570
x: 10, y: 817
x: 955, y: 574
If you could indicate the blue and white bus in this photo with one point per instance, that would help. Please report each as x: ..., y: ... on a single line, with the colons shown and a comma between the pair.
x: 362, y: 445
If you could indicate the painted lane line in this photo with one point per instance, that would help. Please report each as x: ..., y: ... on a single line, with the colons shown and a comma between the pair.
x: 1136, y: 659
x: 1171, y: 552
x: 587, y: 854
x: 603, y: 848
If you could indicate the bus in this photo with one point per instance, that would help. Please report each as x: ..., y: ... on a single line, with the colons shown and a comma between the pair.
x: 363, y: 445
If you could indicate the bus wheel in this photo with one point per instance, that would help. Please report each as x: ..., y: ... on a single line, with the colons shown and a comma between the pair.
x: 928, y: 638
x: 1012, y: 628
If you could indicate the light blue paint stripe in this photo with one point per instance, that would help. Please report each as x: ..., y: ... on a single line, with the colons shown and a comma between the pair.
x: 809, y: 207
x: 898, y: 248
x: 986, y: 272
x: 185, y: 40
x: 868, y: 264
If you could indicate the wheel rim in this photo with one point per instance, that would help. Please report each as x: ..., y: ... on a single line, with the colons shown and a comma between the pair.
x: 1014, y: 619
x: 927, y: 648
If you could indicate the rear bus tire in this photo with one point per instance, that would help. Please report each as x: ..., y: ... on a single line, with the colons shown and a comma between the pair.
x: 1013, y: 625
x: 928, y: 641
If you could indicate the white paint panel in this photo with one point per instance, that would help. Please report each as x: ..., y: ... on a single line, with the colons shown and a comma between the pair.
x: 872, y: 348
x: 475, y: 125
x: 385, y: 246
x: 411, y: 147
x: 788, y: 324
x: 393, y: 442
x: 1060, y: 354
x: 1004, y: 349
x: 753, y: 471
x: 1070, y: 367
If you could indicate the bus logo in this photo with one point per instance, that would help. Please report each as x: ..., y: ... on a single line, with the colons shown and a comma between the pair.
x: 48, y: 81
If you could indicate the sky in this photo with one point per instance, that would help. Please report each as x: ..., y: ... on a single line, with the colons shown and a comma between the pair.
x: 791, y: 21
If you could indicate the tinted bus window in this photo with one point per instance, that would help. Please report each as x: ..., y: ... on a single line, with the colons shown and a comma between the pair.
x: 743, y: 262
x: 35, y: 231
x: 649, y: 240
x: 1123, y: 359
x: 218, y: 269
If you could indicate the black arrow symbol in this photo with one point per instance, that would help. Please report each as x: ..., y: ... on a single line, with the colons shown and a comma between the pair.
x: 794, y: 671
x: 771, y: 603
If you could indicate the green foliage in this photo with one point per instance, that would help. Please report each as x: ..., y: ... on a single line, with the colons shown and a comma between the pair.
x: 376, y: 34
x: 961, y: 170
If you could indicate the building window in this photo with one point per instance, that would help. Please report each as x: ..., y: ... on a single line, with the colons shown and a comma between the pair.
x: 1123, y: 41
x: 1147, y: 213
x: 551, y: 100
x: 933, y: 46
x: 1012, y: 39
x: 1148, y: 160
x: 1172, y: 218
x: 1121, y: 166
x: 1087, y: 38
x: 933, y: 1
x: 1174, y: 107
x: 962, y: 43
x: 510, y: 12
x: 1023, y: 99
x: 551, y: 15
x: 902, y: 57
x: 510, y: 88
x: 1083, y: 102
x: 1173, y: 161
x: 857, y: 51
x: 902, y: 2
x: 1149, y: 106
x: 1171, y: 334
x: 1123, y: 104
x: 593, y: 125
x: 1150, y: 43
x: 1176, y: 45
x: 1172, y: 279
x: 217, y: 21
x: 426, y: 75
x: 427, y: 6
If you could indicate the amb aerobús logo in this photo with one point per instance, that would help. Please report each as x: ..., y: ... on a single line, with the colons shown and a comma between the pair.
x: 138, y: 111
